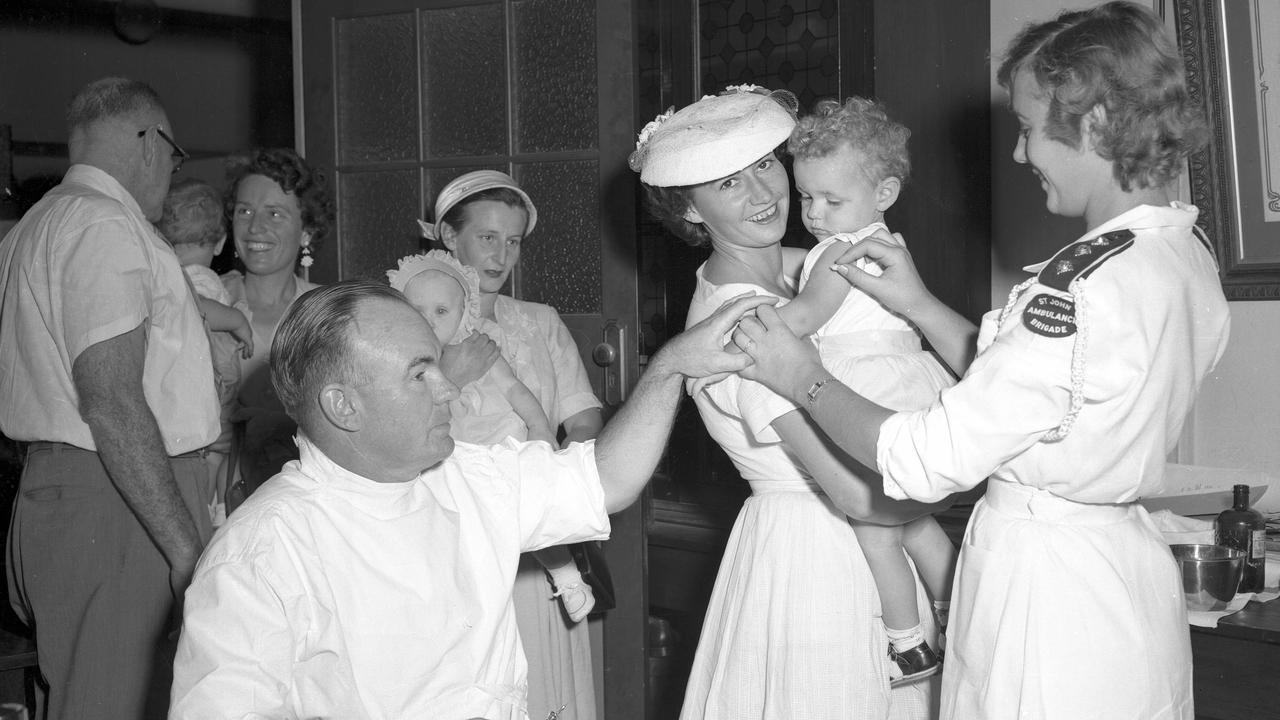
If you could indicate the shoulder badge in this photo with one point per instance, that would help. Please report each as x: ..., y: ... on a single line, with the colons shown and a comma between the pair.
x: 1050, y: 316
x: 1079, y: 259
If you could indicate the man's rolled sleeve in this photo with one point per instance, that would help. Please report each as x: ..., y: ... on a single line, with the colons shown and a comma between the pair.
x: 561, y: 499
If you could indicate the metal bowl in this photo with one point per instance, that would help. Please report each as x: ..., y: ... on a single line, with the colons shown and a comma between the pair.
x: 1210, y: 574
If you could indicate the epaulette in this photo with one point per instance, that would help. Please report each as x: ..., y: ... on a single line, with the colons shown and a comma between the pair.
x: 1056, y: 317
x: 1079, y: 259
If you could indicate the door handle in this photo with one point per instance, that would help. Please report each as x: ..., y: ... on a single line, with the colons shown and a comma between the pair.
x: 608, y: 354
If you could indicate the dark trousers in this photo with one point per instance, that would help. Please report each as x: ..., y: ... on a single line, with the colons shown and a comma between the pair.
x: 86, y: 576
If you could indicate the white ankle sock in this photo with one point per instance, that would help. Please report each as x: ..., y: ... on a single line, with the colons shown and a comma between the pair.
x: 941, y: 609
x: 903, y: 640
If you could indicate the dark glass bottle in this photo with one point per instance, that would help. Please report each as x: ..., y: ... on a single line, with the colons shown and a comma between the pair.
x: 1244, y: 529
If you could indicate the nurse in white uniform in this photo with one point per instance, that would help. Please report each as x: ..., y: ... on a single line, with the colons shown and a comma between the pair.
x: 1067, y: 602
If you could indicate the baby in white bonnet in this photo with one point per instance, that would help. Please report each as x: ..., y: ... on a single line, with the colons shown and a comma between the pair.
x: 447, y: 293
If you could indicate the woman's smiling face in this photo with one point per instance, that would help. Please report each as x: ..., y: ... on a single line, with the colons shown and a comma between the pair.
x: 1069, y: 176
x: 746, y: 208
x: 266, y: 224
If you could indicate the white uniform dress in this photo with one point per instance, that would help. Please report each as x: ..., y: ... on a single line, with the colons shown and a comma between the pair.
x: 329, y: 595
x: 793, y: 629
x: 1067, y: 602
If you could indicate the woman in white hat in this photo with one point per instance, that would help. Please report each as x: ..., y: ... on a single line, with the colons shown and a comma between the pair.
x: 793, y: 628
x: 483, y: 217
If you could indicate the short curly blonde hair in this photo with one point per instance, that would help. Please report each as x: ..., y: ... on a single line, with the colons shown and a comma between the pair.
x: 1117, y: 56
x: 861, y: 123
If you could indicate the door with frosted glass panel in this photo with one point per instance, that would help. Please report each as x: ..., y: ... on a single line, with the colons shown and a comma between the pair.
x: 399, y: 97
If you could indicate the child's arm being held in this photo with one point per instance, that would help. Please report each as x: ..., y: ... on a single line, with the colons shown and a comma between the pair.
x: 523, y: 402
x: 820, y: 297
x: 224, y: 318
x: 810, y: 310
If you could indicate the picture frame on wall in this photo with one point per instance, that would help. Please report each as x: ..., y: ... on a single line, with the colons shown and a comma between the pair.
x: 1231, y: 49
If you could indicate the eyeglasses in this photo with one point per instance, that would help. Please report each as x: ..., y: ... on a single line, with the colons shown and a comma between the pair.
x: 179, y: 155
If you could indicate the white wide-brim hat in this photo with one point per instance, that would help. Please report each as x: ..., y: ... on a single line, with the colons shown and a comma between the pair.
x: 714, y: 137
x: 464, y: 186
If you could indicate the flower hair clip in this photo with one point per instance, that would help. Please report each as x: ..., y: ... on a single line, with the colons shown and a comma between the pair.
x: 636, y: 161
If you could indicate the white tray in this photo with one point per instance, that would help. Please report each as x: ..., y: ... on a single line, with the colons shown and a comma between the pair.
x: 1195, y: 490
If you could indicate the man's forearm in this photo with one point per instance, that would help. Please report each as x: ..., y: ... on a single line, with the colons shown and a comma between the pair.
x: 631, y: 443
x: 134, y: 456
x: 629, y: 446
x: 108, y: 379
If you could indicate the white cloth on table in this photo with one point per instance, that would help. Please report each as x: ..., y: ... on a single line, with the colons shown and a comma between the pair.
x: 329, y: 595
x: 1081, y: 617
x: 793, y: 629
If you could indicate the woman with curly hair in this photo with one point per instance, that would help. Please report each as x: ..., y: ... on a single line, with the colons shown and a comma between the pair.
x: 793, y: 628
x: 1067, y: 601
x: 280, y: 211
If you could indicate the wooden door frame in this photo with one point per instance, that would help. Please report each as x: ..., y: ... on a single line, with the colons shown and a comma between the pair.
x: 626, y: 626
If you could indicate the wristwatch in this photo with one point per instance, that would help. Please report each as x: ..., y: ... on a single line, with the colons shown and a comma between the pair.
x: 816, y: 388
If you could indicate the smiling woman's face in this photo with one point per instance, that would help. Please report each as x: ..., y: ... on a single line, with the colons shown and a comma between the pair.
x: 267, y: 226
x: 748, y: 208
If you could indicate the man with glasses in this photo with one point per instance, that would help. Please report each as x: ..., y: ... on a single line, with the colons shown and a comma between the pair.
x: 105, y: 372
x: 179, y: 155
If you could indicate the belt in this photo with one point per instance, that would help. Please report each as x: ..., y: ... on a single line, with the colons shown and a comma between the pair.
x: 765, y: 487
x: 1035, y: 504
x: 61, y: 446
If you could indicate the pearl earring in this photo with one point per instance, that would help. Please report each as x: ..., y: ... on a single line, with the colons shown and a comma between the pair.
x: 307, y: 260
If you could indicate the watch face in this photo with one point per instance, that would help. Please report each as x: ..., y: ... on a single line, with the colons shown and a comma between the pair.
x: 815, y: 388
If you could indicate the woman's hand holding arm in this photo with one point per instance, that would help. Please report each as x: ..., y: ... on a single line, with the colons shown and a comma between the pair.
x: 790, y: 366
x: 900, y: 289
x: 840, y: 452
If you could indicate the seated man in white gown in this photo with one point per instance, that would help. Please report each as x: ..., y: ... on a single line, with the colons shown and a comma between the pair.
x: 372, y: 577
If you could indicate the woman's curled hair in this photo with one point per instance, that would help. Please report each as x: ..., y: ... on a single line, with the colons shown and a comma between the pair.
x: 1119, y: 58
x: 293, y: 175
x: 669, y: 205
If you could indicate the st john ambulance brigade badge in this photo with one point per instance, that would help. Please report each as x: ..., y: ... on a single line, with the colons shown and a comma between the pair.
x: 1050, y: 316
x: 1053, y: 316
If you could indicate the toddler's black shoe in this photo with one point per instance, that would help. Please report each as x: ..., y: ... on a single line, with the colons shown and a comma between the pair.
x: 916, y: 664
